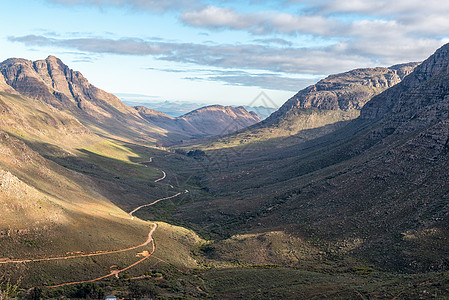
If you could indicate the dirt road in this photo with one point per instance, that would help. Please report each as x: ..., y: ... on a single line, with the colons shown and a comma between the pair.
x: 98, y: 253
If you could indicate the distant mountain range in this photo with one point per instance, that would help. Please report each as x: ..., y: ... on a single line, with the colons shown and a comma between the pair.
x: 202, y: 122
x: 178, y: 108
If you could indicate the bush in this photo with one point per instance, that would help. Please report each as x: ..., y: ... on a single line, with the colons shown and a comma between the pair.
x: 142, y: 289
x: 8, y: 290
x: 88, y: 291
x: 196, y: 154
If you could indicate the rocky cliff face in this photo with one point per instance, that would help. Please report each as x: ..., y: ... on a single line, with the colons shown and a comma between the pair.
x: 345, y: 91
x: 410, y: 93
x: 52, y: 81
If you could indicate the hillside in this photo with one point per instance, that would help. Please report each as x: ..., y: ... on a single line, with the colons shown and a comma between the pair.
x: 321, y: 108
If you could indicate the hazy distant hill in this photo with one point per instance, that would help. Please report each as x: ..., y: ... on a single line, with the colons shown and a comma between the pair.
x: 171, y: 108
x: 206, y: 121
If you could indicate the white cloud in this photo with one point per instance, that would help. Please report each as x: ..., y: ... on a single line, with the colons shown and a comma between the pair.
x: 249, y: 56
x: 216, y: 17
x: 150, y: 5
x: 265, y: 22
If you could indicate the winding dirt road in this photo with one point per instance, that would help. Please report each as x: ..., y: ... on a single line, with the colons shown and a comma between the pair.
x: 98, y: 253
x: 153, y: 203
x: 117, y: 272
x: 163, y: 176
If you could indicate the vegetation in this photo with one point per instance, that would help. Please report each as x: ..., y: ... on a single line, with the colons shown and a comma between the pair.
x: 359, y: 213
x: 8, y: 289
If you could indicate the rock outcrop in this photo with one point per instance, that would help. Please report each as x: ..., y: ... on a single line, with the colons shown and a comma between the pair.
x: 345, y: 91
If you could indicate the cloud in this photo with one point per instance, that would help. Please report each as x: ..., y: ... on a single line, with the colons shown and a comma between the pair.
x: 379, y: 47
x: 272, y: 82
x: 148, y: 5
x: 249, y: 56
x: 216, y: 17
x: 264, y: 22
x: 127, y: 46
x: 278, y: 41
x: 416, y: 16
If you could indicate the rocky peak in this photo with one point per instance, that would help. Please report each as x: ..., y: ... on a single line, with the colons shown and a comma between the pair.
x: 54, y: 82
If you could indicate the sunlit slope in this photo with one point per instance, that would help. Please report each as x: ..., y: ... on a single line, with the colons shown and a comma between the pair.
x: 52, y: 210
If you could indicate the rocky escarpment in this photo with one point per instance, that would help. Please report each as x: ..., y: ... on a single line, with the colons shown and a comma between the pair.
x: 55, y: 83
x: 345, y: 91
x: 323, y: 107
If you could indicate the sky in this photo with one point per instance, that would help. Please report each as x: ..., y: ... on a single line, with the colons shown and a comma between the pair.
x: 221, y: 52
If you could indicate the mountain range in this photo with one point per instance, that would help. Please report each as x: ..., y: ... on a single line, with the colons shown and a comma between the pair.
x: 53, y: 82
x: 341, y: 193
x: 178, y: 108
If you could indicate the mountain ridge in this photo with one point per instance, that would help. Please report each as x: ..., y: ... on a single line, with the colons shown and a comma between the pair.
x: 323, y: 107
x: 53, y: 82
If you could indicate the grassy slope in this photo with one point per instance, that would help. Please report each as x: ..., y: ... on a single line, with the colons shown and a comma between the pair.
x: 305, y: 125
x: 50, y: 209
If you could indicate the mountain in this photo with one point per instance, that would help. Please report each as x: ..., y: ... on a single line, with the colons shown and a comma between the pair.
x: 66, y: 187
x: 231, y: 118
x: 359, y: 213
x: 323, y: 107
x: 53, y: 82
x: 206, y: 121
x: 178, y: 108
x: 374, y: 191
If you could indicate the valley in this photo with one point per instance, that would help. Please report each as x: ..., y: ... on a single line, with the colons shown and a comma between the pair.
x: 338, y: 194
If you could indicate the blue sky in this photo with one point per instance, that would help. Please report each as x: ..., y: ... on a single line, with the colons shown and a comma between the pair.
x: 225, y: 51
